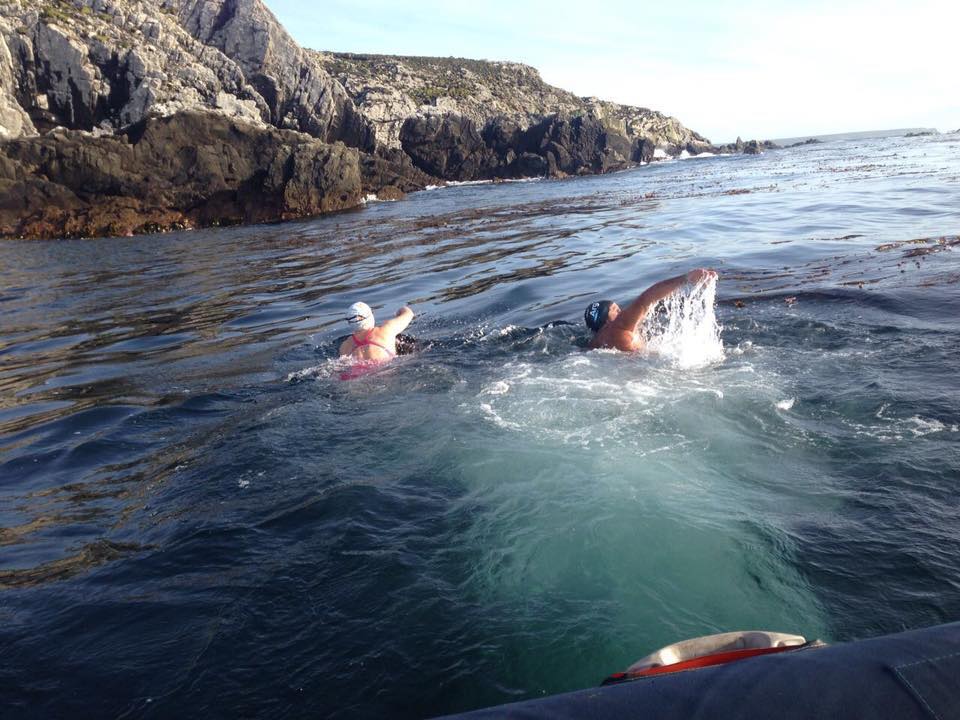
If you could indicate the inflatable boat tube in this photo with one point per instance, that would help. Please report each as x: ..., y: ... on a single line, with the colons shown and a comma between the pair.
x: 908, y: 676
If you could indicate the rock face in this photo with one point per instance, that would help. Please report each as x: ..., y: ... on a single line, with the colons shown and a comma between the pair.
x: 389, y: 89
x: 109, y: 63
x: 14, y: 120
x: 190, y: 169
x: 451, y: 147
x: 448, y: 146
x: 662, y: 131
x: 105, y: 64
x: 298, y: 92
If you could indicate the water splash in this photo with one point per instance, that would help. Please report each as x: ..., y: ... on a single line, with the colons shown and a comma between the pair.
x: 687, y: 333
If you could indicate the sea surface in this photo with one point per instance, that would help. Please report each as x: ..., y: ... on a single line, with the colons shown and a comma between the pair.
x: 199, y: 518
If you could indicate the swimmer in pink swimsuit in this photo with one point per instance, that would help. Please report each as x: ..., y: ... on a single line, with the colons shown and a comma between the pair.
x: 369, y: 342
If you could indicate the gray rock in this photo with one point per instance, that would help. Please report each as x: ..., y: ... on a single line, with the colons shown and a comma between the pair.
x: 73, y: 85
x: 14, y: 121
x: 189, y: 169
x: 388, y: 89
x: 299, y: 93
x: 449, y: 147
x: 90, y: 62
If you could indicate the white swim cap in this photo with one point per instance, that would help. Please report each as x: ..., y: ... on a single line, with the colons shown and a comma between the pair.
x: 360, y: 315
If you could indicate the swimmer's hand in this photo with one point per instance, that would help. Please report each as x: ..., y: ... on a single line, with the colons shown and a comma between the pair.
x: 398, y: 323
x: 701, y: 275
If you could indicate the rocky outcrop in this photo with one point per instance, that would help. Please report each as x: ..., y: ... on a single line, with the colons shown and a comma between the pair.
x: 661, y: 130
x: 390, y: 89
x: 448, y: 146
x: 298, y: 92
x: 451, y: 147
x: 93, y: 95
x: 14, y: 121
x: 108, y: 71
x: 751, y: 147
x: 190, y: 169
x: 390, y: 174
x: 105, y: 64
x: 582, y: 144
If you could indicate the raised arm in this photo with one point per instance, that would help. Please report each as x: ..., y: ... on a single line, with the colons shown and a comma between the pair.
x: 636, y: 311
x: 399, y: 322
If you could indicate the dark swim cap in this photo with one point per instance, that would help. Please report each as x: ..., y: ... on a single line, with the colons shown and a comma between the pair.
x: 596, y: 314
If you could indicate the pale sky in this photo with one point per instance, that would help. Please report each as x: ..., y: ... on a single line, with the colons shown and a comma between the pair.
x: 765, y: 69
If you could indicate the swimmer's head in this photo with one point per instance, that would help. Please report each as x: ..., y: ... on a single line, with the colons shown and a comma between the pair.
x: 598, y: 313
x: 360, y: 316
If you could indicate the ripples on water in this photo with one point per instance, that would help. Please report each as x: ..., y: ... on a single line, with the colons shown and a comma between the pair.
x: 198, y: 517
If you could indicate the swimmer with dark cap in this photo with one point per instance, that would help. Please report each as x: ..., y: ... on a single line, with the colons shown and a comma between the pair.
x: 617, y: 329
x: 369, y: 342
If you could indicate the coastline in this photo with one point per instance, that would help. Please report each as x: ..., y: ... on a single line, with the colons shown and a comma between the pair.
x: 119, y: 117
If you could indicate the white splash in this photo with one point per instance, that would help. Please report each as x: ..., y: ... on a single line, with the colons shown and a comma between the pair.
x: 688, y: 334
x: 786, y: 404
x: 310, y: 373
x: 919, y: 426
x: 372, y: 198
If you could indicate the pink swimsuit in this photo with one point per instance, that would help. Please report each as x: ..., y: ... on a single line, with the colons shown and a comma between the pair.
x: 363, y: 365
x: 365, y: 342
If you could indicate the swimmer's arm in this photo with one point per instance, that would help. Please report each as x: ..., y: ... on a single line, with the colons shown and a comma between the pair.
x: 636, y: 311
x: 399, y: 322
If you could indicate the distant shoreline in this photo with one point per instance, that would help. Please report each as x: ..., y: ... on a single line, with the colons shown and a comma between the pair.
x: 859, y: 135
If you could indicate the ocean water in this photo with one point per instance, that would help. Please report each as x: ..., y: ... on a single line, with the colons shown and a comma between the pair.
x: 199, y: 518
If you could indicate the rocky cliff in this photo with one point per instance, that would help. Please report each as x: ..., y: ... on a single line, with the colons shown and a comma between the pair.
x: 105, y: 64
x: 189, y: 169
x: 93, y: 94
x: 77, y: 75
x: 389, y: 89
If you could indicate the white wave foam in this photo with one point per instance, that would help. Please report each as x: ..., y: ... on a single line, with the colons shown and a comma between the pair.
x: 457, y: 183
x: 896, y: 429
x: 498, y: 388
x: 371, y: 197
x: 460, y: 183
x: 786, y: 404
x: 307, y: 373
x: 325, y: 370
x: 919, y: 426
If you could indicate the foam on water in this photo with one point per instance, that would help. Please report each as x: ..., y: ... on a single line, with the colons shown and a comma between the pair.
x: 583, y: 453
x: 597, y: 397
